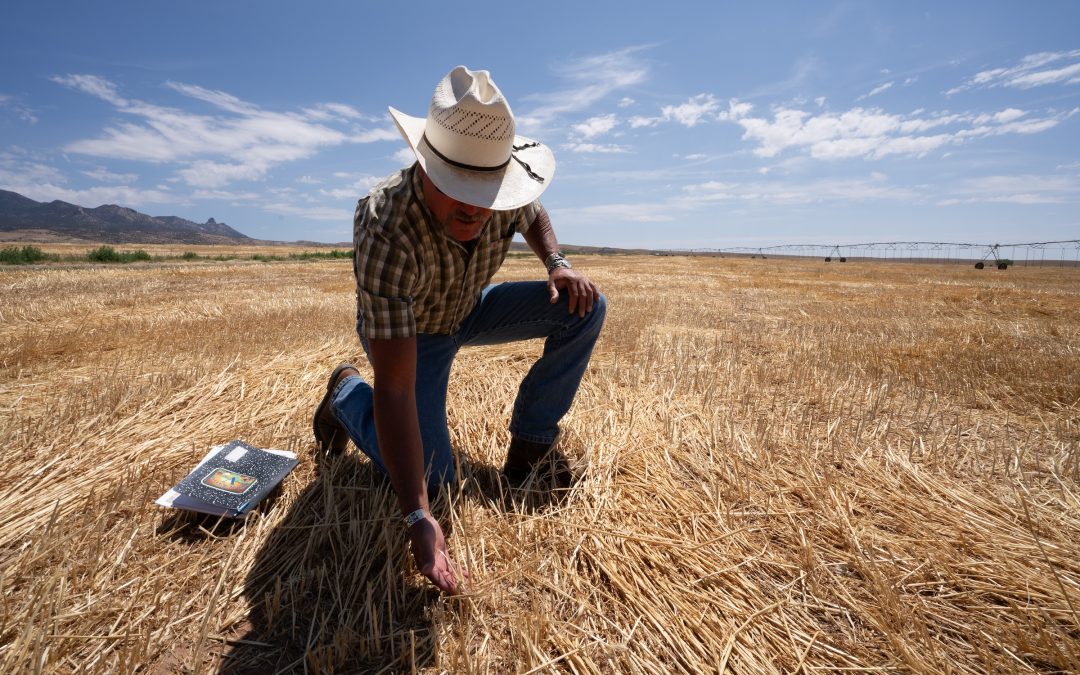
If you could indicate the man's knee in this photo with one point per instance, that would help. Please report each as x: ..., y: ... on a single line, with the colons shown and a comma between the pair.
x: 594, y: 320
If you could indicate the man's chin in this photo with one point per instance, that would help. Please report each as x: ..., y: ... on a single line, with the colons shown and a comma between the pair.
x: 465, y: 234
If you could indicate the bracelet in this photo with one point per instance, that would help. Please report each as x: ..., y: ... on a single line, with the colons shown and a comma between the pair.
x: 415, y: 517
x: 555, y: 261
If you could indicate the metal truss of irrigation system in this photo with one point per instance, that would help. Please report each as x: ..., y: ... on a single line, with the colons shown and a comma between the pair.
x: 1029, y: 253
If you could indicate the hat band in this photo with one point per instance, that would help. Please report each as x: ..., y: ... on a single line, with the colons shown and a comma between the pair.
x: 472, y: 167
x: 462, y: 165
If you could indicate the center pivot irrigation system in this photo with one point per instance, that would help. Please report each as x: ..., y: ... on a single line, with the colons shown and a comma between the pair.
x: 1062, y: 253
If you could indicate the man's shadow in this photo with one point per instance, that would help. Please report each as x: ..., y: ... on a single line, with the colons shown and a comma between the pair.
x: 331, y: 590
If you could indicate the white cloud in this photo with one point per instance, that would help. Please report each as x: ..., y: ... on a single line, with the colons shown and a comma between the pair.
x: 373, y: 135
x: 695, y: 110
x: 1034, y: 70
x: 311, y: 212
x: 220, y: 99
x: 105, y: 176
x: 93, y: 85
x: 226, y: 195
x: 690, y: 113
x: 607, y: 213
x: 41, y: 182
x: 308, y: 180
x: 595, y: 148
x: 331, y: 111
x: 626, y: 102
x: 357, y: 188
x: 1003, y: 117
x: 596, y: 126
x: 592, y: 79
x: 208, y: 174
x: 820, y: 101
x: 876, y: 187
x: 876, y: 90
x: 16, y: 171
x: 240, y: 142
x: 873, y: 133
x: 404, y: 156
x: 704, y: 197
x: 21, y: 111
x: 1015, y: 189
x: 737, y: 109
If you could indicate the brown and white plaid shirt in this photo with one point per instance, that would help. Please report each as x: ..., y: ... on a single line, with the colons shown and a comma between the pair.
x: 411, y: 276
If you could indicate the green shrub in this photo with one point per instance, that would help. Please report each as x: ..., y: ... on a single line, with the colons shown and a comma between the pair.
x: 13, y: 255
x: 189, y: 255
x: 130, y: 256
x: 106, y: 254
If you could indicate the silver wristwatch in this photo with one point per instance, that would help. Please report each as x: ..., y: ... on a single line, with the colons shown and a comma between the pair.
x: 556, y: 260
x: 415, y: 517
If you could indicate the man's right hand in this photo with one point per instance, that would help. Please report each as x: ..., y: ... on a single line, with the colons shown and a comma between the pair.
x: 432, y: 559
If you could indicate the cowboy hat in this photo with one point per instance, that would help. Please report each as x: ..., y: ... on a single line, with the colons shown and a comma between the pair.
x: 467, y: 144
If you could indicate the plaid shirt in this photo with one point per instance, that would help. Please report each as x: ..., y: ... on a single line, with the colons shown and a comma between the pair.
x: 411, y: 277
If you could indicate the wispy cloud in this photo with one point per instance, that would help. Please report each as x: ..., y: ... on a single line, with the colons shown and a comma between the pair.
x: 591, y: 79
x: 313, y: 212
x: 873, y: 188
x: 596, y: 126
x: 608, y: 213
x: 1034, y: 70
x: 103, y: 175
x: 876, y: 90
x: 37, y: 180
x: 705, y: 196
x: 239, y: 142
x: 20, y: 111
x: 357, y: 186
x: 696, y: 109
x: 872, y: 133
x: 1015, y: 189
x: 596, y: 148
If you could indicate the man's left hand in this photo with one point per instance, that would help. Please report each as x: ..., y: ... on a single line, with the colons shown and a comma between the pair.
x: 582, y: 292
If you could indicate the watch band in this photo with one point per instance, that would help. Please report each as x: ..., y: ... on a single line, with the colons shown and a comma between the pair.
x: 555, y: 261
x: 415, y: 517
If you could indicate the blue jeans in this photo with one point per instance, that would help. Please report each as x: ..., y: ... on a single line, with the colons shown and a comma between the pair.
x: 505, y: 313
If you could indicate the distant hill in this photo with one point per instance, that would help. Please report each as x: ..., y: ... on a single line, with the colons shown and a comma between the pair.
x: 27, y: 220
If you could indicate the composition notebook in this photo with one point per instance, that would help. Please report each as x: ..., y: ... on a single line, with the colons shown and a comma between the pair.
x: 230, y: 480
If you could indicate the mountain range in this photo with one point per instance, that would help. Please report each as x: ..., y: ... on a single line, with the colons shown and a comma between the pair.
x: 24, y: 219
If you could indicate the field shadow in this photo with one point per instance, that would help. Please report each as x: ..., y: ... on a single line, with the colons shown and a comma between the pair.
x: 542, y: 490
x: 189, y: 527
x: 331, y: 589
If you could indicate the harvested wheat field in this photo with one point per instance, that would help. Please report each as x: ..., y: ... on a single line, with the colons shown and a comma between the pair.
x: 784, y: 466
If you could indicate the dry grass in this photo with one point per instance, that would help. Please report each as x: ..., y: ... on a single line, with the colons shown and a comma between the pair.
x: 784, y: 466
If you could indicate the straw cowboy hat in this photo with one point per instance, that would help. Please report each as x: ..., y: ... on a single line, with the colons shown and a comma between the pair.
x: 468, y: 147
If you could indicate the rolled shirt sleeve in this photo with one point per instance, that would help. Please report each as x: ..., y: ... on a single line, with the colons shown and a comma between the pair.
x: 385, y: 277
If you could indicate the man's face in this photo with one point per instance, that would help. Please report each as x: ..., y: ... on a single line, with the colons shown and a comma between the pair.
x: 462, y: 221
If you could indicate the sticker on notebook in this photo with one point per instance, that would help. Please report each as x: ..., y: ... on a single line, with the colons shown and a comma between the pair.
x: 228, y: 481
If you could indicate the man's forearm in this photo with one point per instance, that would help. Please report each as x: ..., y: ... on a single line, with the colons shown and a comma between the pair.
x: 396, y: 420
x: 401, y: 448
x: 541, y: 237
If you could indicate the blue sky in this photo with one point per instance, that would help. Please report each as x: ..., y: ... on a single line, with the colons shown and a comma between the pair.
x: 675, y: 125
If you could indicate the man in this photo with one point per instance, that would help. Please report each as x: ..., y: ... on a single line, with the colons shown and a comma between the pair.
x: 427, y: 241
